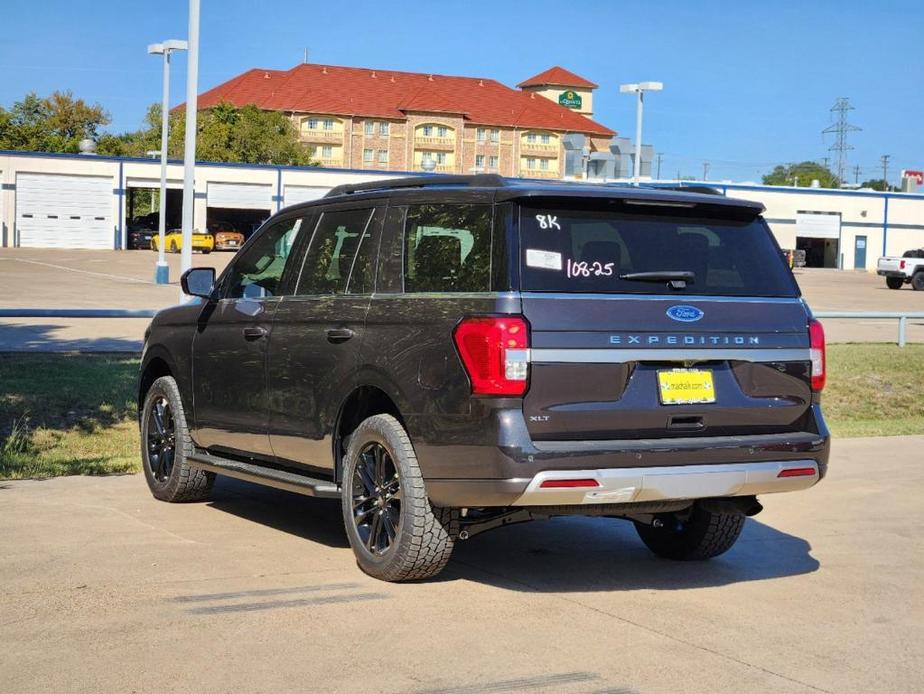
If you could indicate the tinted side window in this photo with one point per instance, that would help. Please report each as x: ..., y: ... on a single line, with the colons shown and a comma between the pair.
x: 257, y: 272
x: 447, y: 248
x: 332, y: 250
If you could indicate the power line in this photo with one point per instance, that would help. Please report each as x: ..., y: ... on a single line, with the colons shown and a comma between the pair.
x: 840, y: 129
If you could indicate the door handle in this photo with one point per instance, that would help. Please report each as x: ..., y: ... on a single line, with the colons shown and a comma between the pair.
x: 337, y: 335
x: 255, y: 333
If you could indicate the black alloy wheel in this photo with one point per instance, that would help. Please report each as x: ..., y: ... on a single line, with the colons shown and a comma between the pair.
x: 161, y: 442
x: 376, y: 495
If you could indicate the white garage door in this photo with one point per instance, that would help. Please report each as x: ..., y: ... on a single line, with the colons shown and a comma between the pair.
x: 819, y: 225
x: 240, y: 196
x: 57, y: 211
x: 296, y: 194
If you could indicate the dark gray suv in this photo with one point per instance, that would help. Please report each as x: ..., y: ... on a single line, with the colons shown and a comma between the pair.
x: 448, y: 355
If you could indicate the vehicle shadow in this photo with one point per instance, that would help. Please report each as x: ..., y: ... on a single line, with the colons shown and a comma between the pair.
x: 581, y: 554
x: 45, y: 337
x: 569, y: 554
x: 317, y: 520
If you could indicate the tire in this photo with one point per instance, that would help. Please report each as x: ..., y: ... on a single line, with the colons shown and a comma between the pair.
x: 169, y: 476
x: 172, y: 247
x: 894, y: 282
x: 917, y: 280
x: 694, y: 536
x: 395, y: 533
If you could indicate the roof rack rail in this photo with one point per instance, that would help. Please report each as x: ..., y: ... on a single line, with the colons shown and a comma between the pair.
x: 476, y: 181
x: 704, y: 190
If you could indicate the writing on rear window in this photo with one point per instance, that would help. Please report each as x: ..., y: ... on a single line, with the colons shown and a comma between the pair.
x: 583, y: 268
x: 548, y: 221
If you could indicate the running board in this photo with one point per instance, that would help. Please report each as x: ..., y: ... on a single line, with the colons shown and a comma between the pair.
x: 270, y: 477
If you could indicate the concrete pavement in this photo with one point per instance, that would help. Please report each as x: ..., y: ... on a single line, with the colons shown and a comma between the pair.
x: 106, y: 589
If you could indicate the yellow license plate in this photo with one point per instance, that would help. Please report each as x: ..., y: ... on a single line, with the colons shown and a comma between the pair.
x: 685, y: 386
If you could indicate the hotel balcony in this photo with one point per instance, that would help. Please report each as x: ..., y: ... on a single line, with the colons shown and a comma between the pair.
x: 539, y: 173
x: 328, y: 163
x: 445, y: 144
x: 539, y: 149
x: 322, y: 136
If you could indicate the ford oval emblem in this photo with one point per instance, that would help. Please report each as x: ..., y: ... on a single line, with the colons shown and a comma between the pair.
x: 685, y: 314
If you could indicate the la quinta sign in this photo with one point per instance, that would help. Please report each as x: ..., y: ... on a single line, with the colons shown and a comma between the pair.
x: 570, y: 99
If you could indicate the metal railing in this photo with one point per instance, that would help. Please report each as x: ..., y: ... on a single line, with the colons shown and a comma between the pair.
x: 77, y: 312
x: 901, y: 316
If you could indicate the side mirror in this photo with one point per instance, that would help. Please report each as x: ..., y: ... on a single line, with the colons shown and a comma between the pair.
x: 198, y: 281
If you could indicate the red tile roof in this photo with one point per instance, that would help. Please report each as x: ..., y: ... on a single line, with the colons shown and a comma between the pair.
x: 557, y: 77
x: 347, y: 91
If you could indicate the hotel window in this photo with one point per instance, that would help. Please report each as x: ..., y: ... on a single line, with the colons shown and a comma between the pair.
x: 479, y: 161
x: 544, y: 164
x: 383, y: 156
x: 442, y: 131
x: 530, y: 163
x: 328, y: 124
x: 312, y: 123
x: 495, y: 135
x: 370, y: 128
x: 441, y: 157
x: 327, y: 152
x: 492, y: 162
x: 427, y: 130
x: 367, y: 155
x: 479, y: 134
x: 383, y: 129
x: 531, y: 137
x: 545, y: 138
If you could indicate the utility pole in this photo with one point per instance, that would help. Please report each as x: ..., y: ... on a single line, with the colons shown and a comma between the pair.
x: 856, y: 174
x: 660, y: 155
x: 705, y: 170
x: 305, y: 60
x: 840, y: 129
x: 885, y: 169
x: 826, y: 161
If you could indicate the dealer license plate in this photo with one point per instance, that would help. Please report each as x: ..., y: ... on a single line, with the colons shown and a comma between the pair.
x: 685, y: 386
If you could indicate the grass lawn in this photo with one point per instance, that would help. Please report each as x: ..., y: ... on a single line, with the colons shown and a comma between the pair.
x: 875, y: 390
x: 75, y: 414
x: 67, y: 414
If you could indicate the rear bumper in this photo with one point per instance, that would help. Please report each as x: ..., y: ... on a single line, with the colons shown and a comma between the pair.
x: 630, y: 485
x: 892, y: 273
x: 506, y: 471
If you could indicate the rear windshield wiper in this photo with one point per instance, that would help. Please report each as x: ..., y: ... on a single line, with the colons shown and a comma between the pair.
x: 676, y: 279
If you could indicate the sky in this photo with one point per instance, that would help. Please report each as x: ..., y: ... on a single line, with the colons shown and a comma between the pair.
x: 747, y: 85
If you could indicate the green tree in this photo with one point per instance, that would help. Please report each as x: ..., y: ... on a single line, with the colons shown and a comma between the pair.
x: 802, y: 174
x: 56, y: 123
x: 877, y: 184
x: 225, y: 133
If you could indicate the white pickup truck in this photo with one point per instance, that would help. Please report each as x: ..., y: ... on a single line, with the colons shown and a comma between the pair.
x: 898, y: 271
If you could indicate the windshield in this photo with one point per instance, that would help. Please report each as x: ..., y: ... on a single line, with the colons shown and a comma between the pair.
x: 605, y: 251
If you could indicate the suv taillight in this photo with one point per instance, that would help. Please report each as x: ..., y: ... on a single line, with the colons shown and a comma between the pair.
x: 495, y: 353
x: 817, y: 351
x: 901, y: 265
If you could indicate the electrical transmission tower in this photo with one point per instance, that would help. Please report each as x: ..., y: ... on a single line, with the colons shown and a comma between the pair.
x: 840, y: 128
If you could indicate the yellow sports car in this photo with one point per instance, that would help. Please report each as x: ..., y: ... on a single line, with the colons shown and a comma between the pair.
x: 173, y: 241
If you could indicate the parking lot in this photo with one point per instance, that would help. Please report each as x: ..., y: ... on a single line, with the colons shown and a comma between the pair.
x: 114, y: 279
x: 106, y: 589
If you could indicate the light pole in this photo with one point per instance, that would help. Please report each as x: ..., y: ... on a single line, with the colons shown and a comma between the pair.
x: 162, y: 270
x: 189, y: 143
x: 639, y: 88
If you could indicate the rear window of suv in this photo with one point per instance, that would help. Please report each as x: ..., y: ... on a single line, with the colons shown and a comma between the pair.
x: 586, y: 250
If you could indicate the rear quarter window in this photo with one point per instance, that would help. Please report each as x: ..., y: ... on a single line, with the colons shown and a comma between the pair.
x: 586, y: 250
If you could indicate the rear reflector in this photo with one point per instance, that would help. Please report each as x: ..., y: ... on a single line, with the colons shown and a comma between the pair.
x: 817, y: 351
x: 797, y: 472
x: 569, y: 484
